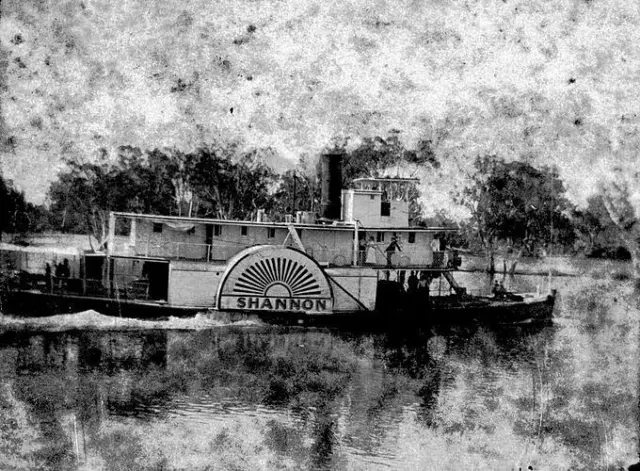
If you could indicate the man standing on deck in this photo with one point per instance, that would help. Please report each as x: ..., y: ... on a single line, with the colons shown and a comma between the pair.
x: 48, y: 278
x: 391, y: 249
x: 423, y: 289
x: 412, y: 283
x: 362, y: 250
x: 62, y: 273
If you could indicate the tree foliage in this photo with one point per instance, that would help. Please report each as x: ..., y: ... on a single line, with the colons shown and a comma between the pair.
x: 517, y: 203
x: 597, y: 233
x: 228, y: 185
x: 82, y: 197
x: 17, y: 215
x: 216, y: 181
x: 621, y: 198
x: 207, y: 183
x: 296, y: 191
x: 376, y: 156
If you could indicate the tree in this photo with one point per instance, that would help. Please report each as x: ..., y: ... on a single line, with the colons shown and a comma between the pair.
x: 376, y: 156
x: 248, y: 190
x: 156, y: 180
x: 296, y: 191
x: 596, y: 232
x: 517, y: 204
x: 15, y: 212
x: 620, y: 197
x: 228, y: 185
x: 82, y: 197
x: 206, y: 182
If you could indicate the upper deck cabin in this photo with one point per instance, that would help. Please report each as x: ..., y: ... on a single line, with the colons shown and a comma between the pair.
x: 378, y: 202
x: 371, y: 214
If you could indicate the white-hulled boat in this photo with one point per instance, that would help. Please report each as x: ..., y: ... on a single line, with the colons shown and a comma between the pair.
x: 361, y: 261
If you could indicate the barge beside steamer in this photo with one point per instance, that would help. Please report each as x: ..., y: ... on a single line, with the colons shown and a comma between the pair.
x: 360, y: 262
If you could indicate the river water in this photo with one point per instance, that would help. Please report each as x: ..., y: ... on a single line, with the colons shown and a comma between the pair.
x: 91, y: 392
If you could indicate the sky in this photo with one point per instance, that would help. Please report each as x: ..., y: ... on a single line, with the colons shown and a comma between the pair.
x: 550, y: 82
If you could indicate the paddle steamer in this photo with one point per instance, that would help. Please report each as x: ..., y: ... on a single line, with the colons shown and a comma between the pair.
x: 358, y: 259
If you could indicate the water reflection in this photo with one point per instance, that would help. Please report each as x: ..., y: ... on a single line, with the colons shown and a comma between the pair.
x: 636, y: 466
x: 66, y: 384
x: 555, y: 397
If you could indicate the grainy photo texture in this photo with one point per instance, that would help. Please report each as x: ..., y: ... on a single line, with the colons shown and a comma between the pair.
x: 285, y: 235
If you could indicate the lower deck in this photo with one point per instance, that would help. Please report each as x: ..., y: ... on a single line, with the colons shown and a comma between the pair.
x: 274, y: 282
x: 352, y: 289
x: 398, y: 311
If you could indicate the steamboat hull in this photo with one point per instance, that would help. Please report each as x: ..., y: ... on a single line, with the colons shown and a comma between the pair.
x: 39, y: 304
x: 408, y: 312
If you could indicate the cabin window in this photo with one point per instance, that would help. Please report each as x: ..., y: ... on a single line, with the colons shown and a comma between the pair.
x: 217, y: 230
x: 192, y: 231
x: 412, y: 238
x: 380, y: 237
x: 157, y: 227
x: 271, y: 232
x: 372, y: 197
x: 243, y: 230
x: 385, y: 208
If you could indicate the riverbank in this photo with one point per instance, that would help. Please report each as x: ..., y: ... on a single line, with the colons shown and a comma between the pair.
x: 59, y: 240
x: 559, y: 266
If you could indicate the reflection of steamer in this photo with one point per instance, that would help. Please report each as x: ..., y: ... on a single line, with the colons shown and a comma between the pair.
x: 357, y: 261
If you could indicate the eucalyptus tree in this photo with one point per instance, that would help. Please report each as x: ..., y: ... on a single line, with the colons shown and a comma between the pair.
x: 517, y: 205
x: 16, y: 213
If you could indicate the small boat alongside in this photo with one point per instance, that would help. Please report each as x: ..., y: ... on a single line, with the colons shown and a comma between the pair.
x: 515, y: 309
x: 360, y: 262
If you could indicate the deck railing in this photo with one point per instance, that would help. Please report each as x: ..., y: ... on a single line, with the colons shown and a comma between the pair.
x: 324, y: 254
x: 190, y: 251
x: 122, y: 285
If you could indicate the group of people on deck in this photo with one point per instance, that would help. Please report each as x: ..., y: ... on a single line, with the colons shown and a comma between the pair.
x: 62, y: 272
x: 418, y: 285
x: 368, y: 251
x: 416, y: 282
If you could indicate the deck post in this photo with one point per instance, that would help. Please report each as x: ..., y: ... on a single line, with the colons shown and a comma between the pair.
x: 132, y: 232
x: 110, y: 242
x: 356, y: 245
x: 112, y: 232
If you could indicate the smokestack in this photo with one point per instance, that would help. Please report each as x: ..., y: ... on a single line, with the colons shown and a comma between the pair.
x: 331, y: 186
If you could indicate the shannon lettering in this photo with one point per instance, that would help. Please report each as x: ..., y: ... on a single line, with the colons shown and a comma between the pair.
x: 281, y: 304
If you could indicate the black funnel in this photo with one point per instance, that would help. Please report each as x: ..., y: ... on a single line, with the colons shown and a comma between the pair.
x: 331, y: 186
